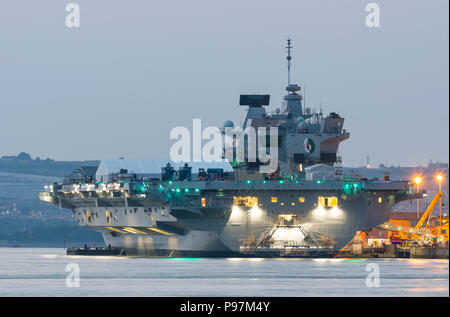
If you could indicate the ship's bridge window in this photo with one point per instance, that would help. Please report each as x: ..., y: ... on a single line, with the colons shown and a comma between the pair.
x: 246, y: 201
x: 327, y: 201
x: 274, y: 199
x: 301, y: 199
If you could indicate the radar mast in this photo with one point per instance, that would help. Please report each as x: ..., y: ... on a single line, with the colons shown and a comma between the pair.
x: 289, y: 47
x: 292, y: 88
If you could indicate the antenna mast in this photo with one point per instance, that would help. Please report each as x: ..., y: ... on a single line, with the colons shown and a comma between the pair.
x: 289, y: 46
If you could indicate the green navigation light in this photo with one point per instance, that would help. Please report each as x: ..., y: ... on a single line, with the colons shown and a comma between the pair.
x: 353, y: 188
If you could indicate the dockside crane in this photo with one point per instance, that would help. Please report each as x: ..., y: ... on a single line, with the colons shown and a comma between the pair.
x: 419, y: 235
x: 426, y: 215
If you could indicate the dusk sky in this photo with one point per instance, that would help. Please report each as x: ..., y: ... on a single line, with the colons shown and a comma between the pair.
x: 117, y: 85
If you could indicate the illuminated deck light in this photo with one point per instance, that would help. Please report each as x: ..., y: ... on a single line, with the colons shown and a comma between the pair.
x: 255, y: 211
x: 319, y: 211
x: 335, y: 210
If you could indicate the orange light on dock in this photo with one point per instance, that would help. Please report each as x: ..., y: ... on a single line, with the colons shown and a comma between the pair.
x: 417, y: 180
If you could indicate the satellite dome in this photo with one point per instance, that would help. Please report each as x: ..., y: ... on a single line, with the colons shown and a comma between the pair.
x: 303, y: 127
x: 228, y: 124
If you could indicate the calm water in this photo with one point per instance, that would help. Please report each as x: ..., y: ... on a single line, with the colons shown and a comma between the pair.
x: 42, y: 272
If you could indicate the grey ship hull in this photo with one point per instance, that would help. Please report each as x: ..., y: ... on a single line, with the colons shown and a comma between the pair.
x: 210, y: 223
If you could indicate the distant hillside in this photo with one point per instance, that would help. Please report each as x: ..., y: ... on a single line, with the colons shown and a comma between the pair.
x: 42, y: 167
x: 45, y: 232
x: 22, y: 178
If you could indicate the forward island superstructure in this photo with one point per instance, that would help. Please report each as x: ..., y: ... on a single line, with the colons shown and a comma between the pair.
x: 305, y: 207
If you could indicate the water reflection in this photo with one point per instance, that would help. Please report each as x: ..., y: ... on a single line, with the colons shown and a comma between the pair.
x: 139, y: 276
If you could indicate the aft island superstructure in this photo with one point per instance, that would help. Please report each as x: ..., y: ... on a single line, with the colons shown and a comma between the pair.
x: 305, y: 207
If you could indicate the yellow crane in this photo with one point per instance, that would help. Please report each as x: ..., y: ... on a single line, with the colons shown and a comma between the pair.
x: 418, y: 234
x: 427, y: 237
x: 428, y: 211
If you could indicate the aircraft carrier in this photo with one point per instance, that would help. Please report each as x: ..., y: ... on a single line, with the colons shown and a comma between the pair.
x: 304, y: 208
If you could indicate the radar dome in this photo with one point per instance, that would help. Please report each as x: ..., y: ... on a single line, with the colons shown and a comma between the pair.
x: 303, y: 127
x: 228, y: 124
